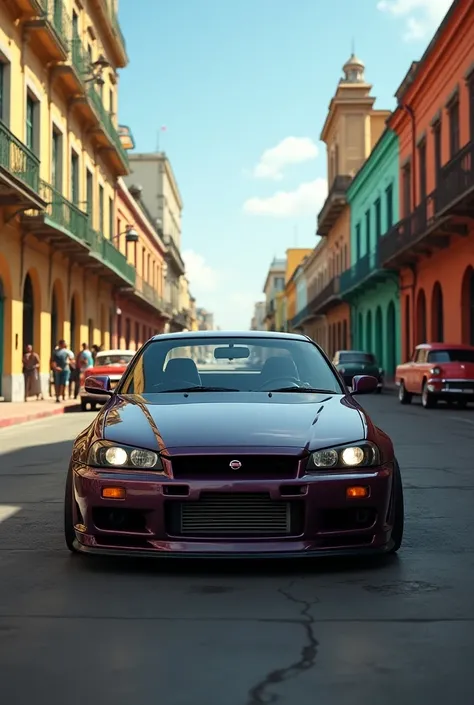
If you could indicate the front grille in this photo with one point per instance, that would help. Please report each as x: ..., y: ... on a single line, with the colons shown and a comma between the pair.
x: 245, y: 515
x: 469, y: 384
x: 253, y: 467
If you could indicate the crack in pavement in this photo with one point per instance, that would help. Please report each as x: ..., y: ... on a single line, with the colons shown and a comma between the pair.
x: 259, y: 694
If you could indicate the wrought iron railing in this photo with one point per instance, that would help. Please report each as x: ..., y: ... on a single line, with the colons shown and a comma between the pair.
x: 114, y: 21
x: 63, y: 212
x: 17, y: 159
x: 80, y: 58
x: 54, y: 11
x: 320, y: 299
x: 360, y: 271
x: 409, y: 230
x: 110, y: 255
x: 107, y: 122
x: 457, y: 177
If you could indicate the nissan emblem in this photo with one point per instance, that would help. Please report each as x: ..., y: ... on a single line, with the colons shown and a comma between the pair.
x: 235, y: 464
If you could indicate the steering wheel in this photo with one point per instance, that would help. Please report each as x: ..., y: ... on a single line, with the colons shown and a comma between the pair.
x: 279, y: 382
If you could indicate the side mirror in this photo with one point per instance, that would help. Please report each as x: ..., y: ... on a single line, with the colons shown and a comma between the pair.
x: 364, y: 384
x: 99, y: 384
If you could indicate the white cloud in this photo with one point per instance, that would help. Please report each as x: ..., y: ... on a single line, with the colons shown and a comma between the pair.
x: 291, y: 150
x: 202, y: 277
x: 307, y: 199
x: 421, y: 16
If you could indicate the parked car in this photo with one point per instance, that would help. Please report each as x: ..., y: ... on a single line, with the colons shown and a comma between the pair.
x: 437, y: 372
x: 107, y: 362
x: 219, y: 460
x: 350, y: 363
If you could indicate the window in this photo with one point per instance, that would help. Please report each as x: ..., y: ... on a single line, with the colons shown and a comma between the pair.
x: 367, y: 232
x: 75, y: 25
x: 357, y: 242
x: 279, y: 283
x: 101, y: 209
x: 56, y: 159
x: 31, y: 111
x: 3, y: 72
x: 422, y: 168
x: 437, y: 149
x: 389, y: 204
x: 111, y: 218
x: 378, y: 218
x: 454, y: 141
x: 406, y: 176
x: 74, y: 178
x: 90, y: 195
x: 111, y: 102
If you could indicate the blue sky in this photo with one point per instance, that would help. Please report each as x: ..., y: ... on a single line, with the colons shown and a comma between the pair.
x: 231, y: 79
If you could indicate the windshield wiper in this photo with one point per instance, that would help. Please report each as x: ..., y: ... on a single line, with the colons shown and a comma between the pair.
x: 303, y: 390
x: 198, y: 389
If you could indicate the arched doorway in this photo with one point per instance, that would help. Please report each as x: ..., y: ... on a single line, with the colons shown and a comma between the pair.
x: 368, y: 339
x: 391, y: 339
x: 467, y: 306
x: 379, y: 336
x: 407, y: 329
x: 360, y: 332
x: 55, y: 336
x: 28, y: 313
x: 437, y: 314
x: 421, y: 318
x: 2, y: 329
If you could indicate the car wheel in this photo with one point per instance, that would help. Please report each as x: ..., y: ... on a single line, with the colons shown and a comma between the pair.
x: 428, y: 400
x: 462, y: 403
x: 379, y: 390
x: 93, y: 406
x: 83, y: 405
x: 404, y: 397
x: 399, y: 511
x: 69, y: 533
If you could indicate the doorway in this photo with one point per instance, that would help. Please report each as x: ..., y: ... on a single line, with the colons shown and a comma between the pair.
x: 28, y: 313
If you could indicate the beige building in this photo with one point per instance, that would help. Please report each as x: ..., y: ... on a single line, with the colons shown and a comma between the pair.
x: 274, y: 283
x: 153, y: 175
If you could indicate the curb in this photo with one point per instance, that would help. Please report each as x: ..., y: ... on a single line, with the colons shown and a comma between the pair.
x: 36, y: 415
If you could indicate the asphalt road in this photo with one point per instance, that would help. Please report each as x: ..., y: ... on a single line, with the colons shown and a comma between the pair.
x: 76, y: 630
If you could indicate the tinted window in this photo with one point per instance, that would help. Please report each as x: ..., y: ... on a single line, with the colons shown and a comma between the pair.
x: 451, y: 356
x: 182, y: 362
x: 365, y: 358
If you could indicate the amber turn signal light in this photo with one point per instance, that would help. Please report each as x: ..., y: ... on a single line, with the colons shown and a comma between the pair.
x: 113, y: 493
x: 357, y: 492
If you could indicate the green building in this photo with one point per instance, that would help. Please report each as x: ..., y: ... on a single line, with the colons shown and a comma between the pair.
x: 371, y: 291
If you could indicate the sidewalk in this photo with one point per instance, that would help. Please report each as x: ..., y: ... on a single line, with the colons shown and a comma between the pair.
x: 12, y: 413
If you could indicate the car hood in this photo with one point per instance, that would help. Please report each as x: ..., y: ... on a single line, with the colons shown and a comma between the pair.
x: 173, y: 422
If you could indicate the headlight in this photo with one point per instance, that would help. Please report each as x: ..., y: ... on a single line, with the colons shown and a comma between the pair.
x: 105, y: 454
x: 435, y: 371
x: 356, y: 455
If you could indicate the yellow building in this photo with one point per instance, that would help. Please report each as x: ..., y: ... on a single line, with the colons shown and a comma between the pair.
x: 60, y: 157
x: 294, y: 257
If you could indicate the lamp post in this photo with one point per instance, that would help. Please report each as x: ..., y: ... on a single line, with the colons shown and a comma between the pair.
x: 130, y: 233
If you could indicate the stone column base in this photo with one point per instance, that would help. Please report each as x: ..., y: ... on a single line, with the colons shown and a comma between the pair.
x: 13, y: 387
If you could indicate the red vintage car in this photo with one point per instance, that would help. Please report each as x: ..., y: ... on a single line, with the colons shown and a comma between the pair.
x: 437, y: 372
x: 112, y: 363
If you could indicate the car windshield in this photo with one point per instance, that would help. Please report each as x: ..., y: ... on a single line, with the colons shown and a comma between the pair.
x: 115, y: 359
x: 229, y: 364
x: 451, y: 356
x: 365, y: 358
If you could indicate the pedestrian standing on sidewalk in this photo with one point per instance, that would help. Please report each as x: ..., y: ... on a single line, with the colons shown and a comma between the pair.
x: 31, y: 365
x: 61, y: 361
x: 83, y: 363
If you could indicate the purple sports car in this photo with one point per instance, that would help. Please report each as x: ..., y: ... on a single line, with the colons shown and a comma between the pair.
x: 233, y: 445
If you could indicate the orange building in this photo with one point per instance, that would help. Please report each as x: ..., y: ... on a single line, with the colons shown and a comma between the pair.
x: 351, y: 130
x: 294, y: 258
x: 433, y: 245
x: 140, y: 311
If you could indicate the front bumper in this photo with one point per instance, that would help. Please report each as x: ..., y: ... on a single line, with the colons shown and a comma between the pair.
x: 328, y: 522
x: 447, y: 389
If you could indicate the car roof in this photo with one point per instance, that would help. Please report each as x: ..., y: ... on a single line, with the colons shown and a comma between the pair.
x: 257, y: 334
x: 116, y: 352
x: 352, y: 352
x: 444, y: 346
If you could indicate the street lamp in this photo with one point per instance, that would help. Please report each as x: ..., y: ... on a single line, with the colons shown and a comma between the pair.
x: 130, y: 233
x: 96, y: 70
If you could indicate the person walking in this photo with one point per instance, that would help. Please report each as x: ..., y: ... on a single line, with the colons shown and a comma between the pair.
x: 31, y: 365
x: 62, y: 360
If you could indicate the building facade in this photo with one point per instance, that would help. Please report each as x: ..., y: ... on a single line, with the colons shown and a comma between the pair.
x: 274, y: 283
x: 258, y: 318
x: 152, y: 177
x: 371, y: 290
x: 433, y: 244
x: 60, y: 158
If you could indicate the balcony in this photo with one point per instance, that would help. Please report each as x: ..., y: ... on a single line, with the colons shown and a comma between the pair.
x: 108, y: 136
x: 456, y: 184
x: 60, y: 223
x: 418, y: 234
x: 334, y: 204
x: 109, y: 262
x: 148, y: 293
x: 19, y: 173
x: 365, y: 273
x: 173, y: 256
x: 50, y: 30
x: 74, y: 72
x: 328, y: 297
x: 110, y: 24
x: 298, y: 320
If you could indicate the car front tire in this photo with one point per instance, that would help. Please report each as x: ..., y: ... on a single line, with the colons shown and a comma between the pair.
x: 69, y: 533
x: 404, y: 397
x: 428, y: 400
x: 398, y: 511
